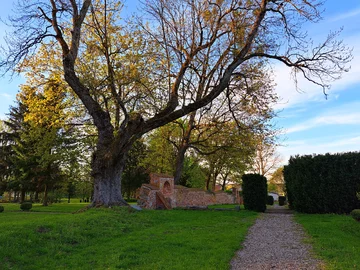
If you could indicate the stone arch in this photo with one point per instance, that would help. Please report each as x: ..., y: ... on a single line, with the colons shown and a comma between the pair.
x: 166, y: 190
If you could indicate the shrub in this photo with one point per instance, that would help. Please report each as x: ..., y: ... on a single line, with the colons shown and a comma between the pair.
x: 355, y: 214
x: 1, y: 208
x: 323, y: 183
x: 254, y: 192
x: 26, y: 206
x: 270, y: 200
x: 282, y: 200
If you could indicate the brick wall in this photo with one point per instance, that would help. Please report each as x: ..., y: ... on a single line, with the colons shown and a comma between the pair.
x: 179, y: 196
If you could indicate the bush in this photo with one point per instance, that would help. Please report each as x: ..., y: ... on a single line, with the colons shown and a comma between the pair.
x: 130, y: 200
x: 26, y: 206
x: 254, y: 192
x: 323, y: 183
x: 1, y: 208
x: 355, y: 214
x: 270, y: 200
x: 282, y: 200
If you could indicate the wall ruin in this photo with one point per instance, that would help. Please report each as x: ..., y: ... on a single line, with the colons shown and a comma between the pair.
x: 161, y: 193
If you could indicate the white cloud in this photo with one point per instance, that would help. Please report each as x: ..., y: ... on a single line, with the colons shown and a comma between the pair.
x: 309, y: 92
x: 344, y: 16
x: 346, y: 114
x: 350, y: 118
x: 286, y: 89
x: 7, y: 96
x: 308, y: 147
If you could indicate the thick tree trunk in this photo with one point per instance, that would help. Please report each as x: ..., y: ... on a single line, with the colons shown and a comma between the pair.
x: 107, y: 182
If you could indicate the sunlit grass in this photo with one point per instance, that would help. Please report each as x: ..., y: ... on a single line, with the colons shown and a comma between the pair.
x: 335, y: 238
x: 224, y: 206
x: 120, y: 238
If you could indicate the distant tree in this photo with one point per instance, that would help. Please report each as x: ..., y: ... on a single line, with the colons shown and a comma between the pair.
x: 228, y: 154
x: 35, y: 140
x: 267, y: 159
x: 161, y: 153
x: 135, y: 174
x: 193, y: 174
x: 247, y: 102
x: 9, y: 137
x: 277, y: 182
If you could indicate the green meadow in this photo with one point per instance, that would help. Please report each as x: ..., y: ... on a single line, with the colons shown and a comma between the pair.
x: 119, y: 238
x: 335, y: 239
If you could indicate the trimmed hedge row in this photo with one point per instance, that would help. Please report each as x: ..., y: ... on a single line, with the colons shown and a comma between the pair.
x: 282, y: 200
x: 323, y: 183
x: 270, y: 200
x: 254, y: 192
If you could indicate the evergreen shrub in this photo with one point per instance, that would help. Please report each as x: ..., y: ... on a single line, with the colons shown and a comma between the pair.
x: 270, y: 200
x: 1, y: 208
x: 323, y: 183
x: 355, y: 214
x: 282, y: 200
x: 254, y: 192
x: 26, y: 206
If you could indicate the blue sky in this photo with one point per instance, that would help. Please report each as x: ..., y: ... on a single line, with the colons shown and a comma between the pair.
x: 311, y: 123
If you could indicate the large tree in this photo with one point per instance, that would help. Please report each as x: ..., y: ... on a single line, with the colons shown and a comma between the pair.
x: 215, y: 37
x: 267, y: 159
x: 247, y: 102
x: 9, y: 136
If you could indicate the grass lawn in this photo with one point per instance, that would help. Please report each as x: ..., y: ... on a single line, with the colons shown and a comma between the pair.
x: 335, y: 238
x: 118, y: 238
x: 224, y: 206
x: 37, y: 207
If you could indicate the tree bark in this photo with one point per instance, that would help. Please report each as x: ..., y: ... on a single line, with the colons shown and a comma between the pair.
x: 180, y: 163
x: 45, y: 202
x: 224, y: 182
x: 107, y: 167
x: 208, y: 180
x: 22, y: 196
x: 107, y: 186
x: 183, y: 148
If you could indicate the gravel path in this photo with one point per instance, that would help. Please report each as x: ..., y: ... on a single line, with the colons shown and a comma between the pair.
x: 275, y: 241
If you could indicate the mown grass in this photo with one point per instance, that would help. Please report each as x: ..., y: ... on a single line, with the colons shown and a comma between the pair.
x: 335, y: 238
x: 224, y: 206
x: 120, y: 238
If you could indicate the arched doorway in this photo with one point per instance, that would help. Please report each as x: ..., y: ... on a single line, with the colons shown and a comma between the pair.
x: 166, y: 188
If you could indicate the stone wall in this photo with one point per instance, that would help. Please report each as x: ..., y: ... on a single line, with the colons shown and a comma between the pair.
x: 180, y: 196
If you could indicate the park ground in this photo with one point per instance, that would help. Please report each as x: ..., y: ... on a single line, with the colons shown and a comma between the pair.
x: 54, y: 237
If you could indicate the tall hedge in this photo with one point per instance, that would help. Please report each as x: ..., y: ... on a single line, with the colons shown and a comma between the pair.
x: 323, y: 183
x: 254, y: 188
